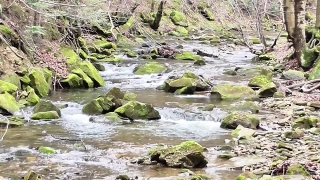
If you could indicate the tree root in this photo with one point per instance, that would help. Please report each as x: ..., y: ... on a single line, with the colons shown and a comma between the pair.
x: 303, y: 86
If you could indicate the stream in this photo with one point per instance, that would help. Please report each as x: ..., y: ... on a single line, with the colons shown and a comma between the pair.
x: 107, y: 149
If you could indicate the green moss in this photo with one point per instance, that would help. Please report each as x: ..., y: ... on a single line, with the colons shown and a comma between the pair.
x: 47, y: 150
x: 150, y: 68
x: 82, y: 42
x: 83, y: 54
x: 8, y: 103
x: 297, y: 169
x: 188, y: 56
x: 87, y: 82
x: 113, y: 117
x: 208, y: 107
x: 45, y: 106
x: 260, y: 81
x: 240, y: 118
x: 39, y: 83
x: 51, y: 32
x: 129, y: 96
x: 7, y: 87
x: 185, y: 90
x: 72, y: 58
x: 266, y: 57
x: 306, y: 122
x: 182, y: 31
x: 32, y: 176
x: 136, y: 110
x: 103, y: 44
x: 132, y: 54
x: 49, y: 115
x: 93, y: 73
x: 230, y: 92
x: 72, y: 81
x: 93, y: 107
x: 7, y: 32
x: 294, y: 75
x: 178, y: 18
x: 32, y: 98
x: 124, y: 42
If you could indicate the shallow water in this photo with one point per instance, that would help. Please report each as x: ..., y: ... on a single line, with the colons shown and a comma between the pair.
x: 107, y: 149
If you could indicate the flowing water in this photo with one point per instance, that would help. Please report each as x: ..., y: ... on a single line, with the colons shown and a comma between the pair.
x: 107, y: 149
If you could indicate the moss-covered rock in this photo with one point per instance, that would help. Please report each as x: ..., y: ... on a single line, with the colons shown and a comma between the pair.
x: 103, y: 44
x: 308, y: 57
x: 115, y: 92
x: 72, y: 81
x: 8, y: 104
x: 243, y: 133
x: 73, y: 59
x: 7, y: 87
x: 137, y: 110
x: 178, y: 18
x: 13, y: 122
x: 284, y: 145
x: 113, y: 117
x: 12, y: 78
x: 83, y: 54
x: 132, y: 54
x: 49, y: 115
x: 297, y: 169
x: 187, y: 56
x: 185, y: 90
x: 87, y: 81
x: 124, y: 42
x: 45, y: 106
x: 129, y: 96
x: 230, y: 72
x: 100, y: 105
x: 227, y: 155
x: 207, y: 13
x: 240, y: 118
x: 201, y: 177
x: 208, y: 107
x: 267, y: 91
x: 230, y: 92
x: 246, y: 176
x: 38, y: 82
x: 306, y: 122
x: 32, y: 176
x: 188, y: 154
x: 199, y: 62
x: 182, y: 31
x: 294, y: 75
x: 47, y: 150
x: 99, y: 67
x: 261, y: 81
x: 93, y: 73
x: 151, y: 68
x: 32, y: 98
x: 296, y: 134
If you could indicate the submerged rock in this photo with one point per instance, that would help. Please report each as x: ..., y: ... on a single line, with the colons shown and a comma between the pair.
x: 188, y: 154
x: 44, y: 106
x: 151, y: 68
x: 137, y: 110
x: 8, y: 104
x: 231, y: 92
x: 47, y: 150
x: 240, y: 118
x: 208, y: 107
x: 49, y: 115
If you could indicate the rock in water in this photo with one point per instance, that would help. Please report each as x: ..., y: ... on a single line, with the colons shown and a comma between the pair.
x: 240, y: 118
x: 230, y: 92
x: 49, y: 115
x: 45, y: 106
x: 8, y: 103
x: 150, y: 68
x: 188, y: 154
x: 38, y: 83
x: 137, y: 110
x: 93, y: 73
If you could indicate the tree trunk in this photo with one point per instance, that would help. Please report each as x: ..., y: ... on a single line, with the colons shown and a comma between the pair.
x: 156, y: 22
x: 289, y: 20
x: 152, y: 6
x: 299, y: 31
x: 318, y: 15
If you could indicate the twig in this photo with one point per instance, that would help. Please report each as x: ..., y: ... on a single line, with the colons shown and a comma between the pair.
x: 303, y: 83
x: 7, y: 127
x: 112, y: 25
x: 4, y: 40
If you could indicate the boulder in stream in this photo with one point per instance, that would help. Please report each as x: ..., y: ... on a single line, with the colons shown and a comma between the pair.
x: 100, y: 105
x: 261, y: 81
x: 38, y: 82
x: 46, y: 106
x: 7, y: 87
x: 188, y: 56
x: 49, y: 115
x: 246, y: 120
x: 150, y: 68
x: 233, y: 92
x: 93, y: 73
x: 72, y: 81
x: 188, y: 154
x: 137, y: 110
x: 8, y: 104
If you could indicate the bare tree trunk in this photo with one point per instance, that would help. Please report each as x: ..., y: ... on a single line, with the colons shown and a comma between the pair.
x: 289, y: 20
x: 156, y: 22
x: 299, y: 31
x: 318, y: 15
x: 152, y: 6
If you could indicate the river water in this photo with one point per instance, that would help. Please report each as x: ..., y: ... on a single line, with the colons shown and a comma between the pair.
x: 109, y: 148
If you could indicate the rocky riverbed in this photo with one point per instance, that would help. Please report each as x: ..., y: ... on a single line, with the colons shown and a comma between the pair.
x: 169, y: 119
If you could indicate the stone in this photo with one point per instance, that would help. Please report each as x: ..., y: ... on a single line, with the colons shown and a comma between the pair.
x: 230, y: 72
x: 49, y: 115
x: 86, y: 80
x: 261, y: 81
x: 47, y: 150
x: 246, y: 176
x: 243, y: 133
x: 185, y: 90
x: 266, y: 57
x: 39, y: 83
x: 32, y: 98
x: 13, y: 122
x: 294, y: 75
x: 32, y: 176
x: 150, y: 68
x: 132, y: 54
x: 137, y: 110
x: 93, y: 73
x: 233, y: 92
x: 188, y: 56
x: 73, y: 59
x: 188, y: 154
x: 45, y: 106
x: 240, y: 118
x: 267, y: 91
x: 129, y: 96
x: 296, y: 169
x: 99, y: 67
x: 123, y: 177
x: 7, y: 87
x: 208, y: 107
x: 72, y: 81
x: 199, y: 62
x: 100, y: 105
x: 296, y: 134
x: 306, y: 122
x: 113, y: 117
x: 244, y: 106
x: 116, y: 92
x: 178, y: 18
x: 227, y: 155
x: 8, y: 103
x: 285, y: 146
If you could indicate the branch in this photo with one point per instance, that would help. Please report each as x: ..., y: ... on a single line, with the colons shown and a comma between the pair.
x: 4, y: 40
x: 7, y: 127
x: 112, y: 25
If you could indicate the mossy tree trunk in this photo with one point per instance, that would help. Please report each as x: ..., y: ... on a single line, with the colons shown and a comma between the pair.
x: 289, y: 20
x: 318, y: 15
x: 299, y: 31
x: 156, y: 22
